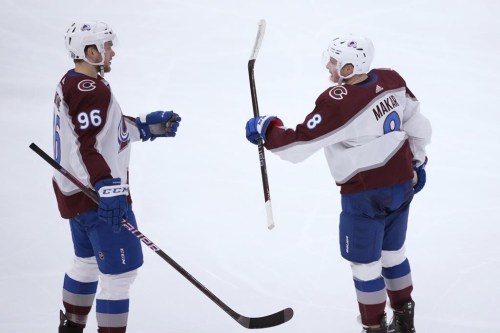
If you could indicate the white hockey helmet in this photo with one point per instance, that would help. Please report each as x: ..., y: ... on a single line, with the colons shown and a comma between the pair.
x: 355, y: 50
x: 82, y: 34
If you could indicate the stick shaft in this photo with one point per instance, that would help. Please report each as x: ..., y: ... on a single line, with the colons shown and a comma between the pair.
x: 253, y: 91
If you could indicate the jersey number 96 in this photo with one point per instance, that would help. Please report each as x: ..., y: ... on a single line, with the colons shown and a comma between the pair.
x: 87, y: 119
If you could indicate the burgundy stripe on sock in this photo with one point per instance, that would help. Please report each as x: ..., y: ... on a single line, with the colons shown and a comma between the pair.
x: 371, y: 315
x: 400, y: 297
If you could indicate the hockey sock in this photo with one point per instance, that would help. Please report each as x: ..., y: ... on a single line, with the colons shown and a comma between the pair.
x: 399, y: 284
x: 112, y: 315
x: 371, y: 297
x: 77, y: 299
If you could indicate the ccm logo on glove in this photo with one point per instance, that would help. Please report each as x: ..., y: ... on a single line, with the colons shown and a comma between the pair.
x: 114, y: 190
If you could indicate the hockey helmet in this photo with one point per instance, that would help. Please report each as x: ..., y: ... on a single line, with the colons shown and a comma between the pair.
x: 355, y: 50
x: 82, y: 34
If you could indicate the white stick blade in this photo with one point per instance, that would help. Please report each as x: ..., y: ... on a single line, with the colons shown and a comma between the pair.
x: 258, y: 39
x: 269, y: 212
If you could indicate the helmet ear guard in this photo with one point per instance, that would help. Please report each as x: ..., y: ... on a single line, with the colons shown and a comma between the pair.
x: 350, y: 49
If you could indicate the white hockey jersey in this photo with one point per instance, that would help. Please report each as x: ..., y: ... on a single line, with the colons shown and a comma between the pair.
x: 91, y: 139
x: 372, y: 133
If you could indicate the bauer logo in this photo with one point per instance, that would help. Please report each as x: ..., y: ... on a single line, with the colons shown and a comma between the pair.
x: 85, y: 27
x: 86, y: 85
x: 139, y: 235
x: 352, y: 44
x: 122, y: 255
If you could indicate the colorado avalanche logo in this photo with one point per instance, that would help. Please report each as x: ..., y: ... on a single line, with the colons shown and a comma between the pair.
x: 86, y: 85
x: 85, y: 27
x: 338, y: 92
x: 352, y: 44
x: 123, y: 135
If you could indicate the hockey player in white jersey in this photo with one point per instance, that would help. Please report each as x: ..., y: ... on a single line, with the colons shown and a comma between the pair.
x: 92, y: 141
x: 374, y: 137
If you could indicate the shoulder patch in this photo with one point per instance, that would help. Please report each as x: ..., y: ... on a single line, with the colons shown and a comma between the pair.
x: 86, y: 85
x: 338, y: 92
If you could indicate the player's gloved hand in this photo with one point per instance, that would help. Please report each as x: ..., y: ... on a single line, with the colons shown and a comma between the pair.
x: 256, y: 127
x: 419, y: 177
x: 158, y: 124
x: 113, y: 201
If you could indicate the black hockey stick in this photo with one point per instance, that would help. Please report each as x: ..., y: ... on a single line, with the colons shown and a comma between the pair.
x: 253, y: 91
x: 274, y: 319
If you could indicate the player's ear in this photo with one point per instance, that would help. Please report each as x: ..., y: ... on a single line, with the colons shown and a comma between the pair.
x: 91, y: 52
x: 347, y: 69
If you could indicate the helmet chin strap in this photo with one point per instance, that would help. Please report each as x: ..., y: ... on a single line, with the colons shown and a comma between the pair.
x: 101, y: 70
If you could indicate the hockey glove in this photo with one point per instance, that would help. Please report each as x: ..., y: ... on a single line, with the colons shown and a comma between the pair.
x: 158, y: 124
x: 420, y: 177
x: 256, y: 127
x: 113, y: 201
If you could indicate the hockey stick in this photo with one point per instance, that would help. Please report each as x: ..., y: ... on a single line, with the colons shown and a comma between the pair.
x: 253, y: 91
x: 274, y: 319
